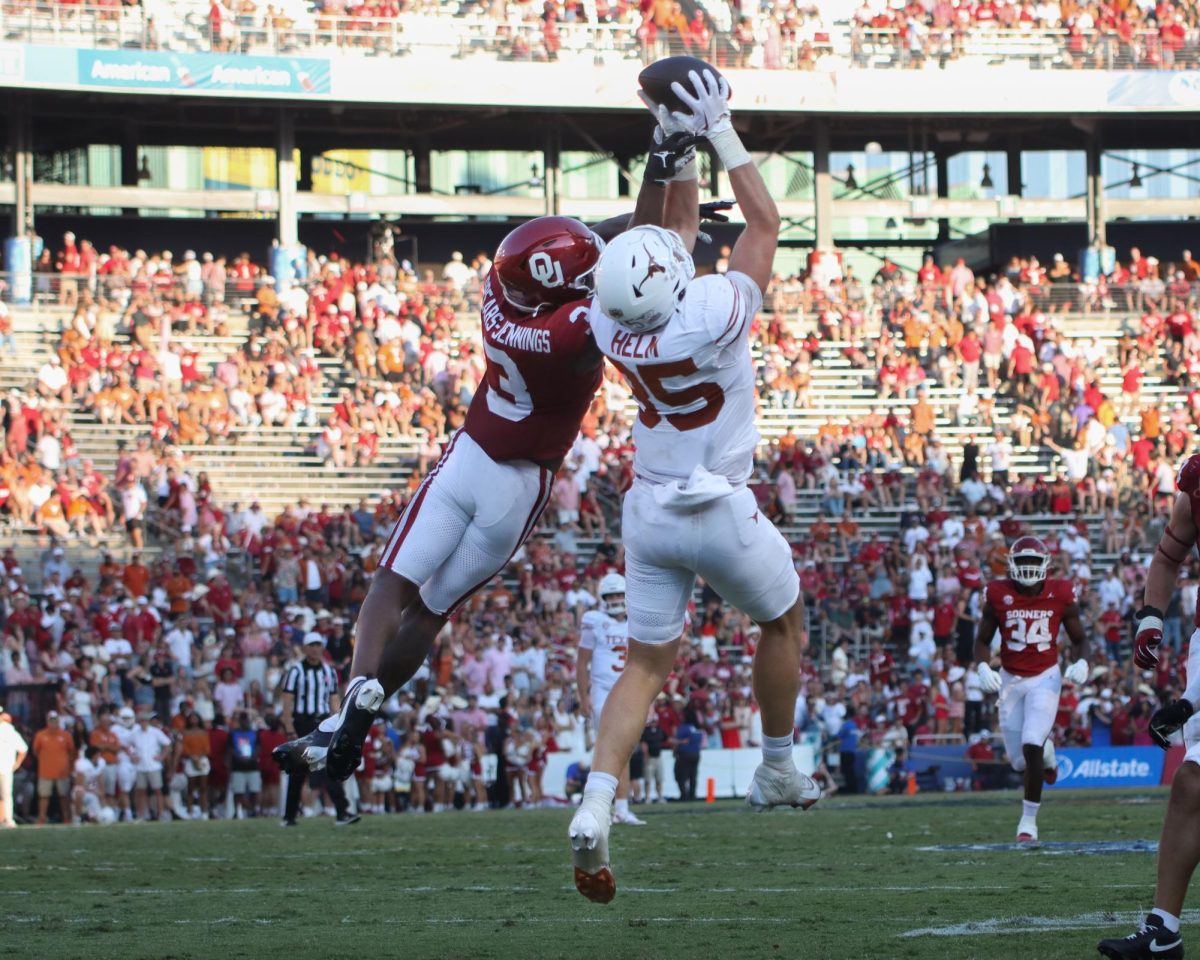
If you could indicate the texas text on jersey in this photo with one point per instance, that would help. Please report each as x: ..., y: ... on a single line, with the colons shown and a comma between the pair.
x: 608, y: 639
x: 537, y: 386
x: 1029, y: 624
x: 694, y: 381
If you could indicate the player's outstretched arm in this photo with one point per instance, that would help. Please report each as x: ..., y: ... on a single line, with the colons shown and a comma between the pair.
x: 754, y: 252
x: 1177, y: 540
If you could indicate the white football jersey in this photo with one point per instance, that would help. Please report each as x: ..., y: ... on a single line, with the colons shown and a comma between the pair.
x: 694, y: 381
x: 608, y: 639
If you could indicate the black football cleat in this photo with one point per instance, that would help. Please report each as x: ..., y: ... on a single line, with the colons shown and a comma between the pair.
x: 347, y: 820
x: 348, y: 730
x: 306, y: 752
x: 1152, y: 941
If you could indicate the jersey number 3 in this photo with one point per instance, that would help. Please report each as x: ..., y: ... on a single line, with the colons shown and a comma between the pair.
x: 508, y: 395
x: 646, y: 382
x: 1030, y: 633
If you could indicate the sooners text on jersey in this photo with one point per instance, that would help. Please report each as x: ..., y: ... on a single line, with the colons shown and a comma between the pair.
x: 608, y: 639
x: 1029, y: 625
x: 533, y: 396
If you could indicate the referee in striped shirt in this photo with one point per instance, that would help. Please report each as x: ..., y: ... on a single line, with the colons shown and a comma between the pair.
x: 310, y: 693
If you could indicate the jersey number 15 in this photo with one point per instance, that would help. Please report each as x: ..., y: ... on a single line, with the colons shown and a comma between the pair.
x: 646, y: 382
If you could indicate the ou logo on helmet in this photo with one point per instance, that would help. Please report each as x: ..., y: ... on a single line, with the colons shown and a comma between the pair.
x: 546, y: 270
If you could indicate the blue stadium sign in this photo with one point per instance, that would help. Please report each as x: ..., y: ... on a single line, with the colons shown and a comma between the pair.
x: 1110, y: 767
x: 152, y: 70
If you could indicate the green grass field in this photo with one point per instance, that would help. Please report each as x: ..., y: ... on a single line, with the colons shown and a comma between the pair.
x: 704, y: 882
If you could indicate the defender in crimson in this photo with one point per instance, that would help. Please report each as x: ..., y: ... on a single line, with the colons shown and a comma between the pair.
x: 484, y: 497
x: 1028, y: 609
x: 1179, y: 849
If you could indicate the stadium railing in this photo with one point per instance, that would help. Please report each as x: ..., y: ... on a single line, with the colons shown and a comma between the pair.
x: 186, y: 27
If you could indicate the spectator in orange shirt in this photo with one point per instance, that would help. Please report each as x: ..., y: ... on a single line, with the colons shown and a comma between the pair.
x: 136, y: 576
x: 178, y: 587
x: 50, y: 516
x: 55, y: 751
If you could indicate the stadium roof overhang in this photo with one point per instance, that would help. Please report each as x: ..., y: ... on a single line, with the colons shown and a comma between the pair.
x: 66, y: 120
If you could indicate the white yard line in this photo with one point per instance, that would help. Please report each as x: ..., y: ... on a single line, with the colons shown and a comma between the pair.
x: 993, y: 926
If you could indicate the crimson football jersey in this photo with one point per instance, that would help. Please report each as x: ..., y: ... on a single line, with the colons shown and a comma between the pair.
x: 1194, y: 503
x: 532, y: 398
x: 1029, y: 625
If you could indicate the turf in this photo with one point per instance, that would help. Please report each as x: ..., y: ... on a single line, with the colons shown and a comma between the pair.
x: 699, y: 882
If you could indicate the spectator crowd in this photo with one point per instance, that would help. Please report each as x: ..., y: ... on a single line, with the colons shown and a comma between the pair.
x: 991, y: 422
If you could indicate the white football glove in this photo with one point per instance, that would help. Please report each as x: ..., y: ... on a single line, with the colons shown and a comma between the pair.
x: 708, y: 101
x: 1076, y: 673
x: 989, y: 679
x: 669, y: 121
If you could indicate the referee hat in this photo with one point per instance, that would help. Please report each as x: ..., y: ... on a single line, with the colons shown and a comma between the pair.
x: 314, y: 637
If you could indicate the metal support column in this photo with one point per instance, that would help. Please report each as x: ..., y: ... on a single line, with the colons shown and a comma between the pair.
x: 20, y: 137
x: 287, y: 229
x: 623, y: 185
x: 552, y: 171
x: 1016, y: 186
x: 130, y: 166
x: 823, y: 186
x: 1096, y: 226
x: 423, y: 167
x: 941, y: 161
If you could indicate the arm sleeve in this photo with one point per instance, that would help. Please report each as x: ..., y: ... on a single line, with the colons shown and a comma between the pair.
x: 728, y: 302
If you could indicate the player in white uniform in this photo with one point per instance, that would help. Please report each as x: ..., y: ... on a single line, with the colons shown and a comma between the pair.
x: 682, y: 345
x: 88, y: 789
x: 603, y: 643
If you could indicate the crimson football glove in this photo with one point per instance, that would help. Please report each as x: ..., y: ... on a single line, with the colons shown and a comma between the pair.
x: 1168, y: 719
x: 1149, y: 636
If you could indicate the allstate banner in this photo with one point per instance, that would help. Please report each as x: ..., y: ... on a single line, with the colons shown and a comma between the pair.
x: 155, y: 70
x: 1109, y: 767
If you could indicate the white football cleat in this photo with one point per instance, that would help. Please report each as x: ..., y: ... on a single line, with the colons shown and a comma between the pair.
x: 589, y: 850
x: 630, y: 819
x: 781, y: 787
x: 1027, y: 830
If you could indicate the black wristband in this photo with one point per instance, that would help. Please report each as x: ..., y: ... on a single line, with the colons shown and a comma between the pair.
x: 1148, y: 611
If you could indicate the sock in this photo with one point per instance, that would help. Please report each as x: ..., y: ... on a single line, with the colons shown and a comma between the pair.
x: 1168, y: 920
x: 600, y: 785
x: 777, y: 748
x: 622, y: 806
x: 1030, y: 809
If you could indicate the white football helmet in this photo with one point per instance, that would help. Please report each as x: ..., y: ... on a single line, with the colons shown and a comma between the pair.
x: 126, y: 717
x: 612, y: 594
x: 642, y: 276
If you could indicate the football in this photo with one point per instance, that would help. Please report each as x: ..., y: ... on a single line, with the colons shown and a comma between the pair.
x: 657, y: 78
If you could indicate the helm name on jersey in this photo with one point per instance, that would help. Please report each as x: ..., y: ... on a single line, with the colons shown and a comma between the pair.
x: 508, y: 333
x: 635, y: 346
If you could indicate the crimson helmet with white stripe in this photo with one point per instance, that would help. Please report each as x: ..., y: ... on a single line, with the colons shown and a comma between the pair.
x: 547, y: 262
x: 1028, y: 561
x: 1188, y: 479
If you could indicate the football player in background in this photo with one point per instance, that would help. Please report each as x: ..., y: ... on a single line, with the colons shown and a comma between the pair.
x: 1179, y: 848
x: 484, y: 497
x: 1028, y: 609
x: 682, y: 346
x: 603, y: 644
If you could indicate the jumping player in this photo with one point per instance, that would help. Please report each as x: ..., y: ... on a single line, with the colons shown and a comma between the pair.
x: 1179, y: 849
x: 682, y: 346
x: 1028, y: 610
x: 603, y: 644
x: 486, y: 493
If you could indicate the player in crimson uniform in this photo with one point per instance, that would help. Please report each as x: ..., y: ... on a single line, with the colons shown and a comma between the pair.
x: 1179, y: 849
x: 1027, y: 609
x: 483, y: 498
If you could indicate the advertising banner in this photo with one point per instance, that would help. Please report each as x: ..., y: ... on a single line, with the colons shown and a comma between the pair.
x: 198, y: 72
x: 1109, y: 767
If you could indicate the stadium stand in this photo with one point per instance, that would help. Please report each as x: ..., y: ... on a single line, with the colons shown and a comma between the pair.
x: 912, y: 424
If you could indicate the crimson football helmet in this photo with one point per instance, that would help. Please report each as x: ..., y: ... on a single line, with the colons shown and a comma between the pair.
x: 1028, y: 561
x: 1188, y: 479
x: 547, y: 262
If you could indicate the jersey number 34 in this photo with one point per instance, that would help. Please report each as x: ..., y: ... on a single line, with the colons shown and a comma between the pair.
x: 1030, y: 633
